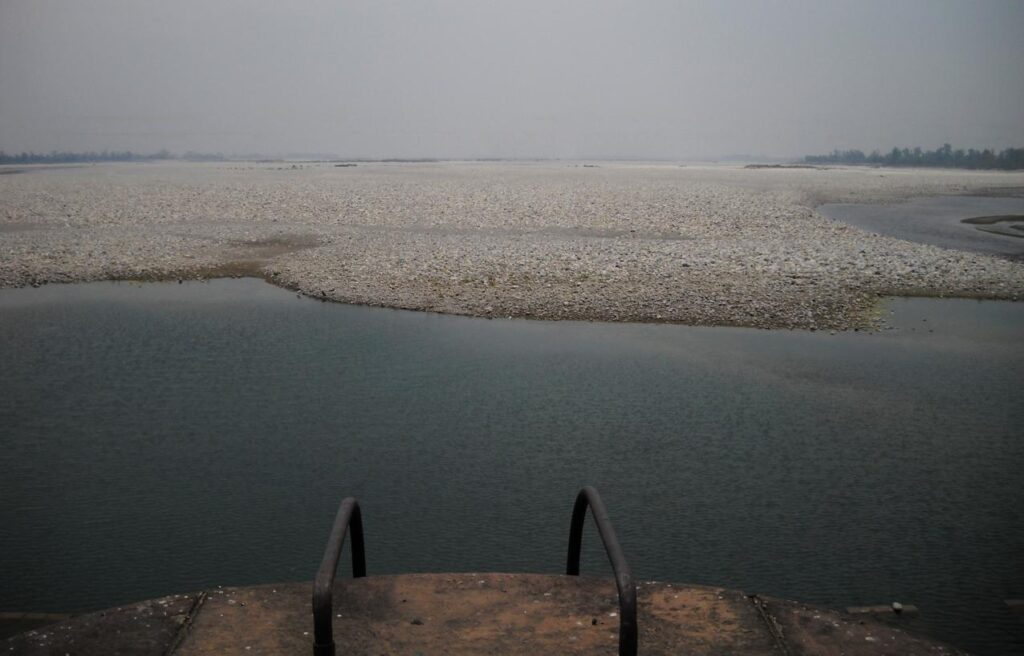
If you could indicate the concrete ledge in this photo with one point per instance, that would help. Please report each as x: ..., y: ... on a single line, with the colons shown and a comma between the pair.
x: 883, y: 609
x: 149, y: 627
x: 471, y: 614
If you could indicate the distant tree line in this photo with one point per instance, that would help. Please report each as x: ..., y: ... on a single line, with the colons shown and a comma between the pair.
x: 944, y: 157
x: 65, y: 157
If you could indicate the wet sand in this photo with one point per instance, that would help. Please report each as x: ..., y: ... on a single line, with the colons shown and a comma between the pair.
x: 1010, y: 225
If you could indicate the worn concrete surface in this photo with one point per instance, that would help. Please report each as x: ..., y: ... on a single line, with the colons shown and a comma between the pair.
x: 148, y: 627
x: 471, y: 614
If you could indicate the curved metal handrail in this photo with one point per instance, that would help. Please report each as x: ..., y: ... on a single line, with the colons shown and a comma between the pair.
x: 323, y: 603
x: 623, y: 574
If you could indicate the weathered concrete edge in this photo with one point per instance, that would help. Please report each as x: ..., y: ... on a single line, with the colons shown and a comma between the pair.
x: 190, y: 618
x: 788, y: 623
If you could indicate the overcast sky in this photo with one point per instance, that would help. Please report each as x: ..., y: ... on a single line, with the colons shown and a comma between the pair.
x: 518, y: 78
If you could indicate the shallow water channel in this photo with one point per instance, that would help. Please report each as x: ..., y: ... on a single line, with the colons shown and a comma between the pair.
x: 942, y: 221
x: 161, y: 438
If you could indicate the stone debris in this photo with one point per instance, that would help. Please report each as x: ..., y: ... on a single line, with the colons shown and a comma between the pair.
x: 709, y: 245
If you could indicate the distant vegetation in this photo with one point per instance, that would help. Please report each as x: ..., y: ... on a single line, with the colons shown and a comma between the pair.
x: 944, y: 157
x: 64, y: 157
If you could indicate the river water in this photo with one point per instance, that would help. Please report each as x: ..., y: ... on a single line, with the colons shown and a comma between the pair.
x: 938, y: 220
x: 161, y: 438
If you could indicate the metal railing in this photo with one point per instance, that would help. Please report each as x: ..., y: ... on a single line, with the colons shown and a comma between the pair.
x: 349, y: 515
x: 323, y: 602
x: 623, y: 574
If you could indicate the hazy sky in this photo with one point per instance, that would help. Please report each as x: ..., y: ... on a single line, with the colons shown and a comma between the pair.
x: 519, y: 78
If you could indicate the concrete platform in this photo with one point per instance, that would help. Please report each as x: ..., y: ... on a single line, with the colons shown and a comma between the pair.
x: 471, y: 614
x: 14, y: 623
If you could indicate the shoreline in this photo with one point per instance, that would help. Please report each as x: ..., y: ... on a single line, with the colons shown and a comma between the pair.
x: 650, y: 244
x: 878, y: 312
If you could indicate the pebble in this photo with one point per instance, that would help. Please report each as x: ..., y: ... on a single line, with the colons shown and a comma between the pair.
x: 712, y: 245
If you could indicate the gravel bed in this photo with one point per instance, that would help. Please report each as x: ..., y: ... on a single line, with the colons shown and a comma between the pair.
x: 703, y: 245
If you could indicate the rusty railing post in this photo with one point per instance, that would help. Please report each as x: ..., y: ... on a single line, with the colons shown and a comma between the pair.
x: 323, y: 602
x: 623, y: 574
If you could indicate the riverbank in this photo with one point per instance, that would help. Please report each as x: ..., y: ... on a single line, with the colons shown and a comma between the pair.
x: 700, y: 245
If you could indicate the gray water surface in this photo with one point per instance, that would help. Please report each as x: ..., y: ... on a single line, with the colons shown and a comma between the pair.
x: 936, y: 220
x: 162, y: 438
